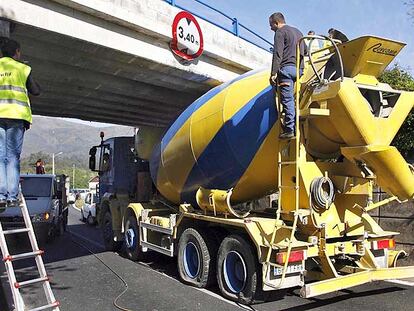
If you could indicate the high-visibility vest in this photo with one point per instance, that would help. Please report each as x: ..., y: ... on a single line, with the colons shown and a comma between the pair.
x: 14, y: 99
x: 314, y: 46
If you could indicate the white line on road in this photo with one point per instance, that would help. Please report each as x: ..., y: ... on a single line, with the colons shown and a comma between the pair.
x: 205, y: 291
x: 217, y: 296
x: 402, y: 282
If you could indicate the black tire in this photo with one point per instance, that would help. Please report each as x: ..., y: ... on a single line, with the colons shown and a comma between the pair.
x: 42, y: 240
x: 196, y: 258
x: 83, y: 219
x: 108, y: 234
x: 60, y: 228
x: 132, y: 248
x: 90, y: 219
x: 238, y: 273
x: 65, y: 219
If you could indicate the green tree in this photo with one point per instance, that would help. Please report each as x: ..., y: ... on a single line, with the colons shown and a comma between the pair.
x: 400, y: 79
x: 63, y: 165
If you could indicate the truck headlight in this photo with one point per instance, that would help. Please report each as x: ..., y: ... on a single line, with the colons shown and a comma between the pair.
x: 40, y: 217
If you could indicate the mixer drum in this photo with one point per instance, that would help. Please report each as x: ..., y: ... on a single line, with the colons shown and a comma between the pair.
x: 225, y: 139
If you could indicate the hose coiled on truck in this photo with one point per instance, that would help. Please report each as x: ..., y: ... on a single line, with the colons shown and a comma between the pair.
x: 322, y: 194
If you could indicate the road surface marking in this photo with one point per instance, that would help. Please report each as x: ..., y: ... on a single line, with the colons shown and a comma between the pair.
x: 205, y: 291
x: 402, y: 282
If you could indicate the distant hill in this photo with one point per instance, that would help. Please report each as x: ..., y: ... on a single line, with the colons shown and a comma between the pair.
x: 53, y: 135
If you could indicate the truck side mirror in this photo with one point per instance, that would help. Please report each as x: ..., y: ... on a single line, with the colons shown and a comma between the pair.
x: 92, y: 159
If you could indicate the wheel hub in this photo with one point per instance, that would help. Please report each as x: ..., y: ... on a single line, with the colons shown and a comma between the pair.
x: 191, y: 260
x: 130, y: 238
x: 235, y: 272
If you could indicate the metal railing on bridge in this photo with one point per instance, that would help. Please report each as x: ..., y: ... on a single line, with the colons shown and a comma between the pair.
x: 229, y: 24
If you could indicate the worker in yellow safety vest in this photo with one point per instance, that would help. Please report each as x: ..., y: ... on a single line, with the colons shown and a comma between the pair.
x: 311, y: 46
x: 16, y: 83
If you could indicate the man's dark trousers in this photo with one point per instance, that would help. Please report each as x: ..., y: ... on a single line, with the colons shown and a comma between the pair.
x: 286, y: 81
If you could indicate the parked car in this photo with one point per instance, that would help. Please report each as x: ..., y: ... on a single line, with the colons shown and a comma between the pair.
x: 88, y: 210
x: 71, y: 197
x: 74, y: 192
x: 83, y: 192
x: 46, y: 201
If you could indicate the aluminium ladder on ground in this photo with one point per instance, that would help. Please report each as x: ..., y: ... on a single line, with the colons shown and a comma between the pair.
x: 36, y: 253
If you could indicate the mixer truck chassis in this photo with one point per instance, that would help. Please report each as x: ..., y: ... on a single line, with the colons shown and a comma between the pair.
x: 240, y: 268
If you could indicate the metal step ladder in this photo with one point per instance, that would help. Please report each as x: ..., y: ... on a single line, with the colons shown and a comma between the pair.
x: 36, y: 253
x: 286, y: 160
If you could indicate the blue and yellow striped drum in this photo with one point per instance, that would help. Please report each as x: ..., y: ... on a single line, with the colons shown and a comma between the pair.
x: 225, y: 139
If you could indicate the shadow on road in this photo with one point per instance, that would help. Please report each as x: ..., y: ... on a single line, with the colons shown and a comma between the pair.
x: 69, y: 255
x: 62, y: 248
x: 168, y: 266
x: 347, y: 294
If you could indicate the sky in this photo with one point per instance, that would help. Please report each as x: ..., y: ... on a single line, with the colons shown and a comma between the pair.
x: 384, y: 18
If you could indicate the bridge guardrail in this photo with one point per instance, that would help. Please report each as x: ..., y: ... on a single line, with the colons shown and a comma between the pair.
x: 236, y: 28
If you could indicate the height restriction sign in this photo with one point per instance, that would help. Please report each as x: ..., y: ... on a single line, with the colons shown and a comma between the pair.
x: 187, y: 38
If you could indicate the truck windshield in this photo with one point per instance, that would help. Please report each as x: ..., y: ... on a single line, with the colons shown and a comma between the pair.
x: 36, y: 187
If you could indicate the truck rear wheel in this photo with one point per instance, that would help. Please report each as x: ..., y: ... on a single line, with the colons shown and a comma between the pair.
x: 108, y: 234
x: 83, y: 219
x: 237, y: 270
x: 90, y: 219
x: 196, y: 259
x: 60, y: 230
x: 132, y: 248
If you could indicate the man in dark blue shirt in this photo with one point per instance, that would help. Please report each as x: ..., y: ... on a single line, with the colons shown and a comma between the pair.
x: 284, y: 68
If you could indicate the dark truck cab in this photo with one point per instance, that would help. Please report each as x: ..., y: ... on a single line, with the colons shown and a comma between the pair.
x: 121, y: 174
x: 46, y: 201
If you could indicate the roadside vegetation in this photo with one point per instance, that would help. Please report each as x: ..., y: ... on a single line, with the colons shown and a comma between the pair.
x: 401, y: 79
x: 63, y: 165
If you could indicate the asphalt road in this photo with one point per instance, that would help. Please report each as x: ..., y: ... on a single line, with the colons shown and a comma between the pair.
x: 85, y: 277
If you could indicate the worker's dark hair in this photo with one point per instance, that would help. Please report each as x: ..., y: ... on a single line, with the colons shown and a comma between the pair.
x: 278, y: 18
x: 9, y: 47
x: 338, y: 35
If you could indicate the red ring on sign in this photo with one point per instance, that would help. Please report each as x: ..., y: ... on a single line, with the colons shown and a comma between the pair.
x: 174, y: 42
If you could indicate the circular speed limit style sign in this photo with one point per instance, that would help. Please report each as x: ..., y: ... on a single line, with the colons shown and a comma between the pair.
x: 187, y: 41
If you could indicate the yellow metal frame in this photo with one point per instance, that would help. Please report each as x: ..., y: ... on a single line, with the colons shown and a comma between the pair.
x: 338, y: 110
x: 354, y: 279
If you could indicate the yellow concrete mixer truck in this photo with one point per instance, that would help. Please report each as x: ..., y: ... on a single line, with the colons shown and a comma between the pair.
x: 191, y: 192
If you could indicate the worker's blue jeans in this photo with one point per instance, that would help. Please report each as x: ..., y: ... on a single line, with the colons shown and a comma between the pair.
x: 11, y: 142
x: 286, y: 81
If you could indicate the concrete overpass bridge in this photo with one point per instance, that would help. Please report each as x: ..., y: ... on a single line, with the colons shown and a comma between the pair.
x: 110, y: 61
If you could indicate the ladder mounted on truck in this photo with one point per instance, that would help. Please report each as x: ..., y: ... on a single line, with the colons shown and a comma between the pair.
x: 287, y: 159
x: 36, y: 253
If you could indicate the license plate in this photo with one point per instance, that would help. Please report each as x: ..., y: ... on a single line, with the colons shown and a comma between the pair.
x: 290, y: 269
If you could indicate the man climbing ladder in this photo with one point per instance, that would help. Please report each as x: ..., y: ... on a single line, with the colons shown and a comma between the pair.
x: 283, y: 72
